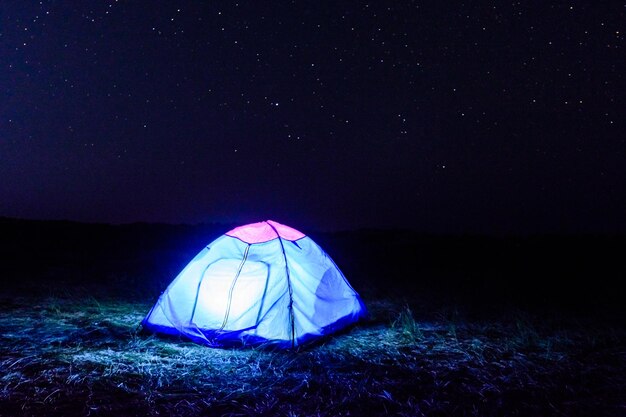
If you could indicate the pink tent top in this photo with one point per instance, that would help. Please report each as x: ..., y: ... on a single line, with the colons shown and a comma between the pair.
x: 264, y: 232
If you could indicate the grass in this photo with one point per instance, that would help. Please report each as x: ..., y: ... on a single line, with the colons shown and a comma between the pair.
x: 87, y: 356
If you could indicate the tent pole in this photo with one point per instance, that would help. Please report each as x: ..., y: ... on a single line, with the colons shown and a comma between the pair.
x: 291, y: 316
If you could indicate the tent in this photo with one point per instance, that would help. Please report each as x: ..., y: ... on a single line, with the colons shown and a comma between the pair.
x: 262, y: 283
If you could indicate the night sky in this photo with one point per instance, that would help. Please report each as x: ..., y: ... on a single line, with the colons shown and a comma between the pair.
x: 444, y: 117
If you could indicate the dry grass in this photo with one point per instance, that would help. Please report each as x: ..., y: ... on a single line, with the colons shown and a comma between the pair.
x: 77, y: 356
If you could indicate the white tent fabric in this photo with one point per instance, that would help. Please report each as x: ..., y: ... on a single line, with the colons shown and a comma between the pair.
x: 263, y: 283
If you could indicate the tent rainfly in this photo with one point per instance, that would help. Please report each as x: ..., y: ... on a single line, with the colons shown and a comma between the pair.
x: 262, y: 283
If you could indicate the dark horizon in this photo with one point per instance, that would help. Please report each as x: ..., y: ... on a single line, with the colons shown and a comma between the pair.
x: 477, y: 119
x: 391, y: 232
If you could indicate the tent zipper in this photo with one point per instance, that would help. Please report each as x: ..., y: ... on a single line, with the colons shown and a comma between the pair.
x: 232, y: 287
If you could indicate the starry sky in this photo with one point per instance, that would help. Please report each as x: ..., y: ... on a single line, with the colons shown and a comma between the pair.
x: 443, y: 117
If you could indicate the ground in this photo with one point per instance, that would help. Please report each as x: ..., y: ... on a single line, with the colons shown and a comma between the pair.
x: 83, y: 355
x: 458, y: 326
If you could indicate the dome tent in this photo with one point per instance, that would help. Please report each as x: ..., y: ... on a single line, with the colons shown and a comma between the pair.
x: 259, y: 283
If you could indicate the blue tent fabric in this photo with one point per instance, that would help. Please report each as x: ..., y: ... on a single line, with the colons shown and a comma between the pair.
x: 263, y: 283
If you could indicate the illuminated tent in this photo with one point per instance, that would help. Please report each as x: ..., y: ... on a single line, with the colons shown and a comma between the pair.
x: 260, y: 283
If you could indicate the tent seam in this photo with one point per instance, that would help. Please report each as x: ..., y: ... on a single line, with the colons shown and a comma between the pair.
x: 291, y: 314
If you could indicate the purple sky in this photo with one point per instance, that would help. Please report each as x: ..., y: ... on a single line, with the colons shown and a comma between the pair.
x: 481, y: 117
